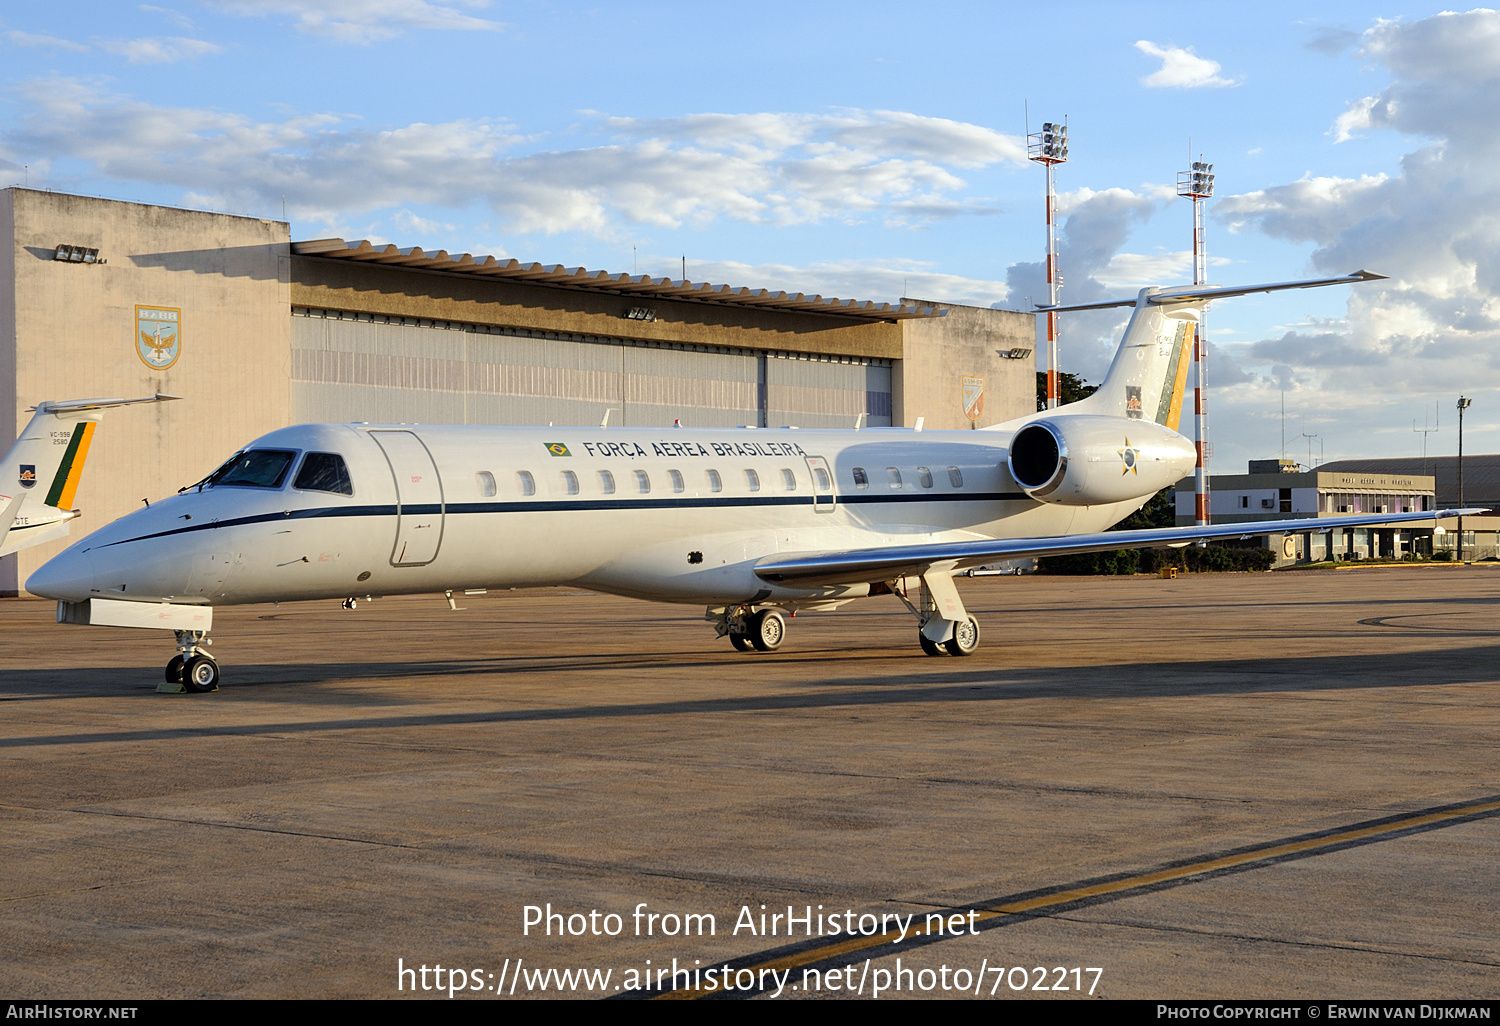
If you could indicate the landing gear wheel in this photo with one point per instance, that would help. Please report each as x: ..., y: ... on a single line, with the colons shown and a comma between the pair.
x: 741, y: 642
x: 929, y: 646
x: 767, y: 630
x: 201, y: 675
x: 174, y: 670
x: 965, y: 638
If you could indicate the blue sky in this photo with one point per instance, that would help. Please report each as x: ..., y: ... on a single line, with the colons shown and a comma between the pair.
x: 861, y: 150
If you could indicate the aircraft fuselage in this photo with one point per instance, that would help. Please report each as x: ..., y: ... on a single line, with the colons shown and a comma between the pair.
x: 676, y: 515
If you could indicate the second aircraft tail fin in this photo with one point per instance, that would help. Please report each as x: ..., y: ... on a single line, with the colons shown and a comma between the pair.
x: 39, y: 475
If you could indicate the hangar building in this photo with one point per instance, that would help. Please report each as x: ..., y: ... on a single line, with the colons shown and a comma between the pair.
x: 254, y: 331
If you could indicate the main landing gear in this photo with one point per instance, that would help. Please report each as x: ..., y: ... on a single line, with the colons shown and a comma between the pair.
x: 762, y: 630
x: 192, y: 669
x: 946, y: 627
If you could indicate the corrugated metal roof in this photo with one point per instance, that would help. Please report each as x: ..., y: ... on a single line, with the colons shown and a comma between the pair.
x: 583, y: 279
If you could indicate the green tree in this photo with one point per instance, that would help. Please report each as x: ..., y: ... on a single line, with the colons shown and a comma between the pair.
x: 1159, y: 511
x: 1071, y: 387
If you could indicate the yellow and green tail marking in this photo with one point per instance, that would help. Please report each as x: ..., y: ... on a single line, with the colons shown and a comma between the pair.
x: 65, y: 484
x: 1169, y: 410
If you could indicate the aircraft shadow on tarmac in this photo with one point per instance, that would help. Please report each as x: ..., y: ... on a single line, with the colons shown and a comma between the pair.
x: 924, y: 681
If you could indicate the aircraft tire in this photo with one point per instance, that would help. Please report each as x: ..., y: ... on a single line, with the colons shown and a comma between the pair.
x: 767, y: 630
x: 201, y: 675
x: 929, y: 646
x: 965, y: 638
x: 174, y: 670
x: 741, y: 642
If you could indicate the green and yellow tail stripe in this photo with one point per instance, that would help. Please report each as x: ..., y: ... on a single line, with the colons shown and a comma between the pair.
x: 65, y: 484
x: 1182, y: 357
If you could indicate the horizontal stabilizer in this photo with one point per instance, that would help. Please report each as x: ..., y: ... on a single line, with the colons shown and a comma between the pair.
x: 8, y: 517
x: 1205, y: 293
x: 74, y: 405
x: 859, y: 566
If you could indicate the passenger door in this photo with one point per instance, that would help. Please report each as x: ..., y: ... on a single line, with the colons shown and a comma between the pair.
x: 824, y: 494
x: 420, y: 507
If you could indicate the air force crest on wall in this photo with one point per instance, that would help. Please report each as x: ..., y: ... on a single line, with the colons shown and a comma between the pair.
x: 973, y: 397
x: 158, y: 335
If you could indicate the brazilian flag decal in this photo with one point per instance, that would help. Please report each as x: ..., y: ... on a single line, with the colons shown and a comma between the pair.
x: 557, y: 449
x: 65, y: 484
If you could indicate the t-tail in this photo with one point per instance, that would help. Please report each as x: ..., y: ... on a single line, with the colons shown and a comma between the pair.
x: 1149, y: 375
x: 39, y: 476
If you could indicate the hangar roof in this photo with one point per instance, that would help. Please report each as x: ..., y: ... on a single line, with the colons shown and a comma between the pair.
x: 581, y: 278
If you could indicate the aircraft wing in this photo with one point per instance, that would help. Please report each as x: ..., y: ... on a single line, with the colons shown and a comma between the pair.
x: 883, y: 564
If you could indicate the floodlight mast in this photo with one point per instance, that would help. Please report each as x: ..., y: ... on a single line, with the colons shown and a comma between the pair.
x: 1197, y: 184
x: 1049, y: 147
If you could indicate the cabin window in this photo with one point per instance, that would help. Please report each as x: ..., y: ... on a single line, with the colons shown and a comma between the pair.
x: 485, y: 482
x: 526, y: 481
x: 955, y: 477
x: 324, y: 472
x: 606, y: 482
x: 642, y: 482
x: 676, y: 478
x: 752, y: 480
x: 788, y: 479
x: 715, y: 482
x: 824, y: 484
x: 861, y: 479
x: 924, y: 477
x: 258, y: 468
x: 894, y: 476
x: 570, y: 482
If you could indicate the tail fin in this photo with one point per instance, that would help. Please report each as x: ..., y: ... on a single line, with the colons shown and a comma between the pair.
x: 1148, y: 377
x: 1149, y: 374
x: 39, y: 476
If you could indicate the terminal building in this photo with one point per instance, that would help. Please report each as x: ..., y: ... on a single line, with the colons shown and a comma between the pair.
x: 1283, y: 490
x: 100, y: 298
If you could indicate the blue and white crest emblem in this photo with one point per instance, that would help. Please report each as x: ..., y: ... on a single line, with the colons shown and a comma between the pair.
x: 158, y: 335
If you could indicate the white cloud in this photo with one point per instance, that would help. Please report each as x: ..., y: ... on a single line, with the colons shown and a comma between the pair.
x: 1434, y: 327
x: 159, y: 49
x: 42, y: 42
x: 1181, y: 68
x: 177, y: 18
x: 783, y: 169
x: 366, y: 21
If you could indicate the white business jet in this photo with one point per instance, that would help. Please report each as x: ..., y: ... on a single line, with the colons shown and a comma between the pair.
x: 46, y: 464
x: 751, y: 523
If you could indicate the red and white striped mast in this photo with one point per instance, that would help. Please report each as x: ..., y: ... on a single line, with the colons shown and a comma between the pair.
x: 1049, y: 147
x: 1197, y: 185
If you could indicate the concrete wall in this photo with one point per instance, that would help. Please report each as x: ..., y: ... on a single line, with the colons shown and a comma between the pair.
x: 75, y: 337
x: 937, y: 353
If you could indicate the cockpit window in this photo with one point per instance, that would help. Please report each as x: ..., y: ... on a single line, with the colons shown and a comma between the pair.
x: 325, y: 472
x: 258, y: 468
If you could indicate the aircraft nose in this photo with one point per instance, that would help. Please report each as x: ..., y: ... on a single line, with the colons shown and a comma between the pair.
x: 67, y: 577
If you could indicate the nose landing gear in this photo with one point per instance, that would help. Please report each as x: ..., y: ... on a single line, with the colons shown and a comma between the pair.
x: 192, y: 669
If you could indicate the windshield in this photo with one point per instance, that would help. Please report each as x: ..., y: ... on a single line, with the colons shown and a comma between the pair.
x: 258, y: 468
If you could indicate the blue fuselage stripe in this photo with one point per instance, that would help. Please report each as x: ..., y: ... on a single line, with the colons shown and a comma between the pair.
x: 570, y: 505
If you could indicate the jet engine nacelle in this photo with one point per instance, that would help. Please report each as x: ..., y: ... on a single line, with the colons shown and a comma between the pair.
x: 1084, y: 460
